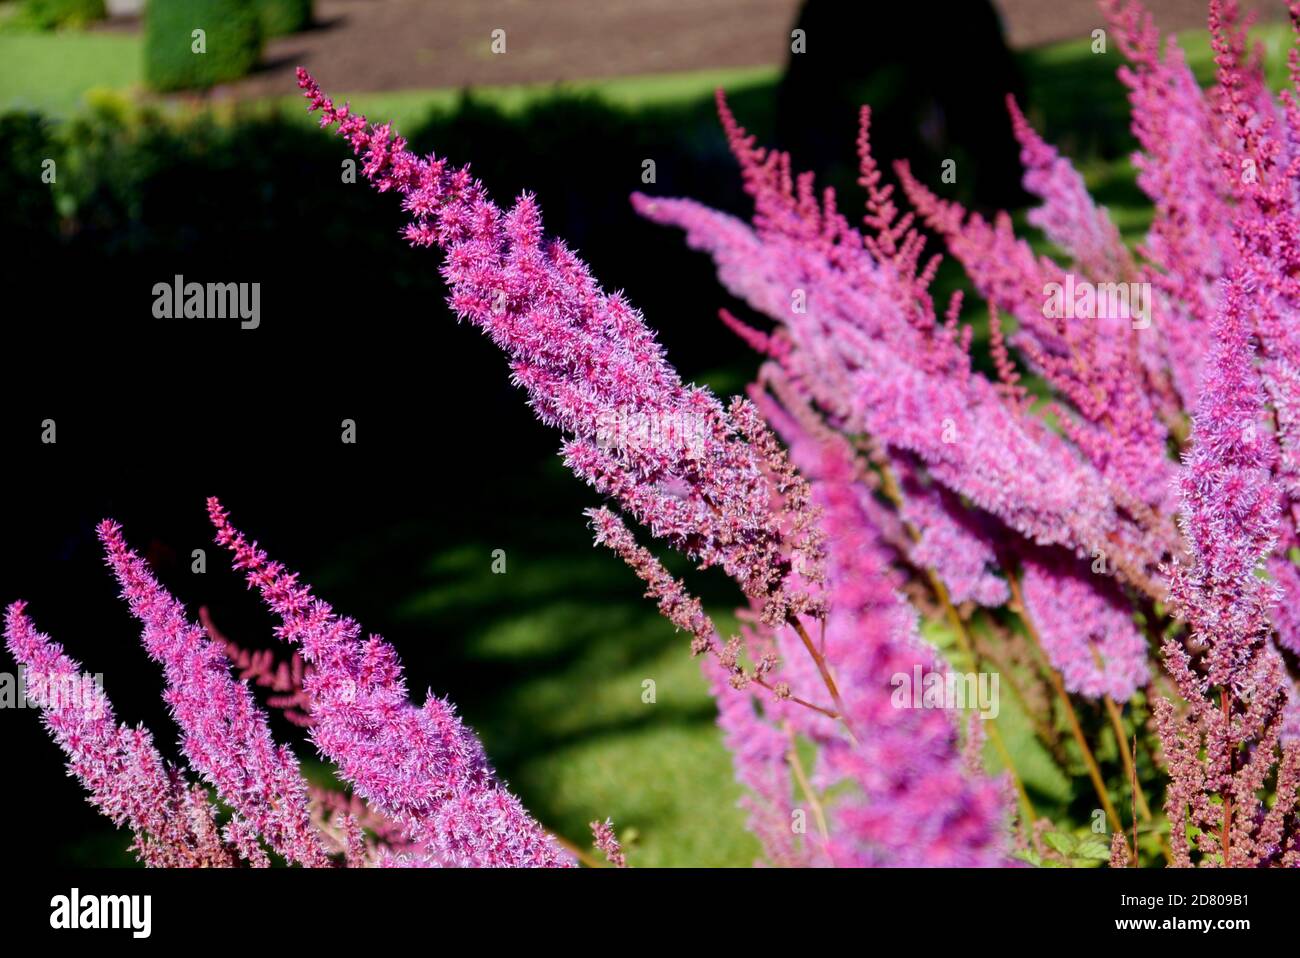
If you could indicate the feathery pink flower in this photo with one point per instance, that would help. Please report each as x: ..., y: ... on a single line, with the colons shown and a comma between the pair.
x: 1086, y: 626
x: 1189, y: 247
x: 666, y: 451
x: 173, y: 822
x: 418, y: 765
x: 1228, y: 745
x: 918, y: 803
x: 607, y: 843
x: 1229, y: 506
x: 1068, y: 216
x: 1104, y: 363
x: 860, y: 335
x: 225, y: 733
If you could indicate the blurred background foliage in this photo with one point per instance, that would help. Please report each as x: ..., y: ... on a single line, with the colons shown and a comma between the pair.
x: 548, y: 661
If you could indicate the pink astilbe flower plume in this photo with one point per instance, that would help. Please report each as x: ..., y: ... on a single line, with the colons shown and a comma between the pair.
x: 1106, y: 367
x: 1086, y: 627
x: 866, y: 346
x: 1230, y: 509
x: 418, y: 765
x: 607, y: 843
x: 918, y: 802
x: 1068, y: 216
x: 225, y: 733
x: 424, y: 793
x: 1227, y: 745
x: 1189, y: 245
x: 668, y: 452
x: 173, y: 822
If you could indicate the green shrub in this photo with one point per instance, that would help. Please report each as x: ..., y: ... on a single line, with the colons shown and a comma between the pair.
x: 283, y: 16
x: 48, y: 14
x: 232, y: 42
x: 28, y: 216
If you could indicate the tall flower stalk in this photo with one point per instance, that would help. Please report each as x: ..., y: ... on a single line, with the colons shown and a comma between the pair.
x: 1227, y: 748
x: 417, y: 764
x: 172, y: 820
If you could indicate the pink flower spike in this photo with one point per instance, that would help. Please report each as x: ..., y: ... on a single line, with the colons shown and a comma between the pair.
x: 418, y: 765
x: 128, y: 780
x: 225, y: 733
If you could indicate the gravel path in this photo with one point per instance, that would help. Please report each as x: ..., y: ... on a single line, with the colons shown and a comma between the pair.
x: 1031, y: 22
x: 397, y: 44
x: 363, y: 45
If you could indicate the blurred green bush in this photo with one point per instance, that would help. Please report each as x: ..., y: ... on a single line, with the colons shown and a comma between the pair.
x: 49, y: 14
x: 28, y: 210
x: 231, y: 42
x: 284, y: 16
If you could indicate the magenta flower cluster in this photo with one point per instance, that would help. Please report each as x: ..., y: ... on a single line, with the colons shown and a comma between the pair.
x: 422, y: 790
x: 1118, y: 541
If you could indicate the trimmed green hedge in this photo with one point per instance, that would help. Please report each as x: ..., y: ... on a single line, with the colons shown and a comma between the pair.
x: 232, y: 42
x: 48, y: 14
x: 284, y: 16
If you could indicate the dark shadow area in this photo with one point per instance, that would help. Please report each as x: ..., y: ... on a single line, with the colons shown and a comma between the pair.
x: 320, y: 24
x: 936, y: 80
x: 281, y: 60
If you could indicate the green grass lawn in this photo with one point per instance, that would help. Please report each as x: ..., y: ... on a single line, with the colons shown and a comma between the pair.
x: 566, y: 643
x: 51, y: 72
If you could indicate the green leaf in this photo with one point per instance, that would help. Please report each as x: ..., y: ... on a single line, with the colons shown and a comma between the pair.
x: 1062, y: 842
x: 1097, y: 851
x: 1028, y: 856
